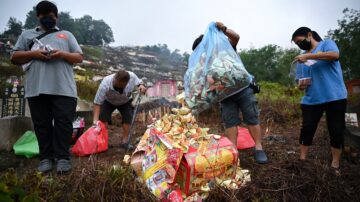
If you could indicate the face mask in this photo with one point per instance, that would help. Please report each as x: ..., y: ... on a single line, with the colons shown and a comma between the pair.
x: 305, y: 45
x: 48, y: 22
x: 120, y: 90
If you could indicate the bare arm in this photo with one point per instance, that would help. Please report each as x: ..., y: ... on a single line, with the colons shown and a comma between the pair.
x: 318, y: 56
x: 96, y: 113
x: 231, y: 34
x: 22, y: 57
x: 233, y: 37
x: 68, y: 57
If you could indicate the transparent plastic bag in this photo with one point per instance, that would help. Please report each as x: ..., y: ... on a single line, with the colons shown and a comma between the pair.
x: 302, y: 73
x: 215, y: 71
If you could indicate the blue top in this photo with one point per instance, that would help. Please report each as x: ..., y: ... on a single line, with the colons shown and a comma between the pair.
x: 327, y: 79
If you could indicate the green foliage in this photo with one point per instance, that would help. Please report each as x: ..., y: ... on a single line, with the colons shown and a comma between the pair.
x: 347, y: 37
x: 279, y: 104
x: 14, y: 27
x: 14, y: 189
x: 6, y: 71
x: 85, y: 29
x: 269, y: 63
x: 87, y: 90
x: 92, y: 32
x: 31, y: 19
x: 92, y: 53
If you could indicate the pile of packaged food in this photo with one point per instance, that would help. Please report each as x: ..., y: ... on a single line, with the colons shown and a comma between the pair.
x: 177, y: 159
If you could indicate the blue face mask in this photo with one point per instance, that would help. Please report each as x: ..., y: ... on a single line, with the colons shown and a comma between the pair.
x: 48, y: 22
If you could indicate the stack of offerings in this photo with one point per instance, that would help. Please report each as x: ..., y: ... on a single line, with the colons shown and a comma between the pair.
x: 215, y: 71
x: 176, y: 158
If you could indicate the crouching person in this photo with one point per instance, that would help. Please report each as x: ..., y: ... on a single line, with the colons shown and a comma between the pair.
x: 114, y: 93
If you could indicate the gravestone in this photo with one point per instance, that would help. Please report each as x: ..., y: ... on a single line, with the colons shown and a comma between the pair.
x: 13, y: 123
x: 13, y: 101
x: 12, y: 128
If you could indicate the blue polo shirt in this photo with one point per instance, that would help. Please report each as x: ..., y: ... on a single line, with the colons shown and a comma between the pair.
x: 327, y: 79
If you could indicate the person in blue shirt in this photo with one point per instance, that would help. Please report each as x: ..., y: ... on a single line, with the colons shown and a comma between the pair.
x: 325, y: 93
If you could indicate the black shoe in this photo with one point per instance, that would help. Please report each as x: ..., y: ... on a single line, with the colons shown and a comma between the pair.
x: 63, y: 166
x: 45, y: 166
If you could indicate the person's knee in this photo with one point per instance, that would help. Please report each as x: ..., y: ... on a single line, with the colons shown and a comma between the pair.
x: 306, y: 139
x: 337, y: 141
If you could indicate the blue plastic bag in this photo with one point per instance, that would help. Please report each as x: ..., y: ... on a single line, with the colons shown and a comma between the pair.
x: 215, y: 71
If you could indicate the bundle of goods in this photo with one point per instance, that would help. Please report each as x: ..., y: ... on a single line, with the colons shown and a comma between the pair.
x: 215, y: 71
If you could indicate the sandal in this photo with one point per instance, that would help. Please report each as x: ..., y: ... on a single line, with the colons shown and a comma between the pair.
x: 336, y: 171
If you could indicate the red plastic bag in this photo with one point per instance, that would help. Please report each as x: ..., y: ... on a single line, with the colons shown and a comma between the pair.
x: 244, y: 139
x: 94, y: 140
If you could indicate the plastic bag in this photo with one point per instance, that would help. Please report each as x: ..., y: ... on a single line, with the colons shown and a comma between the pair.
x: 302, y: 73
x: 78, y: 129
x: 244, y: 139
x: 215, y: 71
x: 94, y: 140
x: 27, y: 145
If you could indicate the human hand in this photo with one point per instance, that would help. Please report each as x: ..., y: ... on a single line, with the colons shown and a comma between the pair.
x: 142, y: 89
x: 56, y: 54
x: 221, y: 26
x: 302, y: 85
x: 40, y: 55
x: 302, y: 58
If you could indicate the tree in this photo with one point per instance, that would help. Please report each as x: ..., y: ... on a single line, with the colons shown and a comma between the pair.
x: 269, y: 63
x: 347, y: 37
x: 93, y: 32
x: 14, y: 27
x: 31, y: 19
x: 86, y: 30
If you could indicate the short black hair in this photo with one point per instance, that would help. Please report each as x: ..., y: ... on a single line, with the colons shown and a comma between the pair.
x: 122, y: 75
x: 46, y: 7
x: 197, y: 41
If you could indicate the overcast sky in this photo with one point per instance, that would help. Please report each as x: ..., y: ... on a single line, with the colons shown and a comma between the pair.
x: 178, y: 22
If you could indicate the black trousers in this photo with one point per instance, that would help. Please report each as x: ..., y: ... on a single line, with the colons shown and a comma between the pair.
x: 52, y: 116
x: 335, y: 119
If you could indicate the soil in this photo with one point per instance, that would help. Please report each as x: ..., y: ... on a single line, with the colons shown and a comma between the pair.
x: 284, y: 178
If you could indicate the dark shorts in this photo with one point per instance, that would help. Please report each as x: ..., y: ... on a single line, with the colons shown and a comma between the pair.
x: 335, y: 118
x: 243, y: 101
x: 126, y: 111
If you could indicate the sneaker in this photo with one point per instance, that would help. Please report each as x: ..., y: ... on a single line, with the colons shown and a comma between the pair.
x: 260, y: 156
x: 45, y: 166
x: 63, y: 166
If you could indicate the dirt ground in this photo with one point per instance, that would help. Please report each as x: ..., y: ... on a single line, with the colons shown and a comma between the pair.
x: 284, y: 178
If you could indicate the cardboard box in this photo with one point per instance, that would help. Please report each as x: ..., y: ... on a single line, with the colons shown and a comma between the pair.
x: 204, y: 162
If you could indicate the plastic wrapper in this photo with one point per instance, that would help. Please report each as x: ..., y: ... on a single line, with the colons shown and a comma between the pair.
x: 215, y: 71
x: 78, y: 129
x: 244, y: 139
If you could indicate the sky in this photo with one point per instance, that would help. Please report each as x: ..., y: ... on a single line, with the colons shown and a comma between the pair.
x: 178, y: 23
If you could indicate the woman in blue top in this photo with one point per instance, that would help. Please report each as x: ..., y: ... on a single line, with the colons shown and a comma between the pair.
x: 326, y: 92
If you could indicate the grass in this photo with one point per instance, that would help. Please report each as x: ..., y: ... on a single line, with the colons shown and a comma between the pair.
x: 92, y: 52
x: 104, y: 177
x: 87, y: 89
